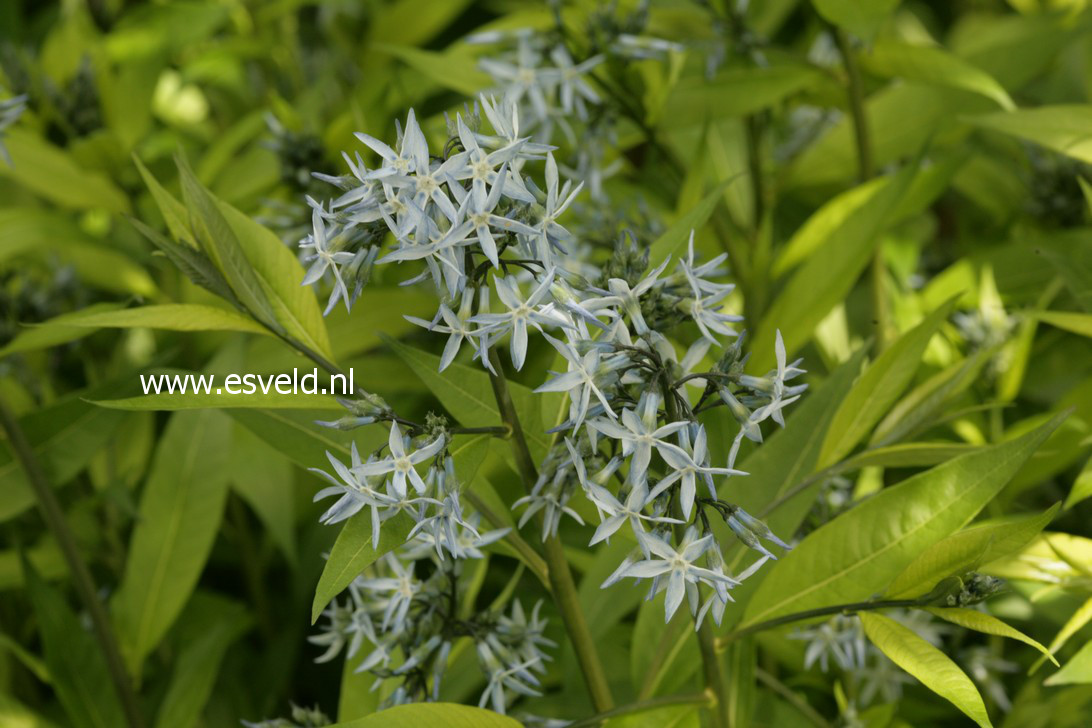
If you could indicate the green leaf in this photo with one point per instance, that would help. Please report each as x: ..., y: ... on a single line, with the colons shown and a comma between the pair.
x: 211, y: 631
x: 64, y: 437
x: 1078, y: 671
x: 1078, y: 323
x: 987, y: 624
x: 353, y: 552
x: 80, y: 677
x: 916, y: 409
x: 454, y: 71
x: 862, y: 17
x: 217, y: 238
x: 933, y: 64
x: 734, y: 92
x: 828, y: 274
x: 1072, y: 626
x: 220, y: 400
x: 852, y: 557
x: 169, y: 316
x: 262, y: 476
x: 824, y: 222
x: 261, y: 270
x: 674, y: 239
x: 928, y: 664
x: 180, y: 513
x: 43, y: 235
x: 878, y: 388
x: 908, y: 455
x: 173, y: 212
x: 46, y: 336
x: 294, y: 434
x: 928, y: 184
x: 53, y: 174
x: 965, y: 551
x: 448, y: 715
x: 1063, y: 128
x: 1082, y: 486
x: 467, y: 394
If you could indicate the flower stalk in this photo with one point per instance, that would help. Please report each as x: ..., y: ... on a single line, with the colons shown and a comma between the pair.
x: 561, y: 579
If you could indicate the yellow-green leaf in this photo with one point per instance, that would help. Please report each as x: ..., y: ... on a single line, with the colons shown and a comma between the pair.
x: 1078, y: 323
x: 852, y: 557
x: 932, y: 64
x: 878, y: 388
x: 448, y: 715
x: 932, y: 667
x: 966, y: 550
x: 1063, y: 128
x: 987, y: 624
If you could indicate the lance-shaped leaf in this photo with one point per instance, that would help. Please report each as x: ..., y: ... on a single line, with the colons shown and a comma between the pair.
x: 879, y: 387
x: 932, y: 64
x: 852, y: 557
x: 353, y: 552
x: 221, y: 245
x: 1078, y: 671
x: 828, y: 275
x: 180, y: 513
x: 932, y: 667
x: 415, y: 715
x: 987, y: 624
x: 1063, y: 128
x: 966, y: 550
x: 76, y: 664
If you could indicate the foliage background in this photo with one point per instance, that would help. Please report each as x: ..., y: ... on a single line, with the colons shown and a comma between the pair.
x: 979, y: 126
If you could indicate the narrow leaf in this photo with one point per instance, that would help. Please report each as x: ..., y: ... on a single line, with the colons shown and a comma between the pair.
x: 932, y: 667
x: 180, y: 512
x: 852, y: 557
x: 353, y: 552
x: 75, y: 661
x: 987, y: 624
x: 967, y: 550
x: 448, y: 715
x: 879, y: 387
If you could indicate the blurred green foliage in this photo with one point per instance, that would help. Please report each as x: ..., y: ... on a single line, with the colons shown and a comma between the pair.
x: 967, y: 198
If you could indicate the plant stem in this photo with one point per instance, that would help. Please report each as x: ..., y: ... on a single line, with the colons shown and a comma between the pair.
x: 533, y: 560
x: 642, y: 706
x: 715, y: 681
x: 561, y: 578
x: 53, y: 515
x: 850, y: 608
x: 863, y: 139
x: 797, y: 702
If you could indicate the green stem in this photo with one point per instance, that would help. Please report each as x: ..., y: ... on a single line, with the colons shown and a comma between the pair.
x: 715, y: 681
x: 795, y: 700
x: 851, y: 608
x: 862, y: 137
x: 642, y: 706
x: 81, y: 576
x: 561, y: 578
x: 530, y: 556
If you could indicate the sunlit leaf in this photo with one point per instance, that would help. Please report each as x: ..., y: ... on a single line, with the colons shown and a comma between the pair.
x: 928, y: 664
x: 852, y: 557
